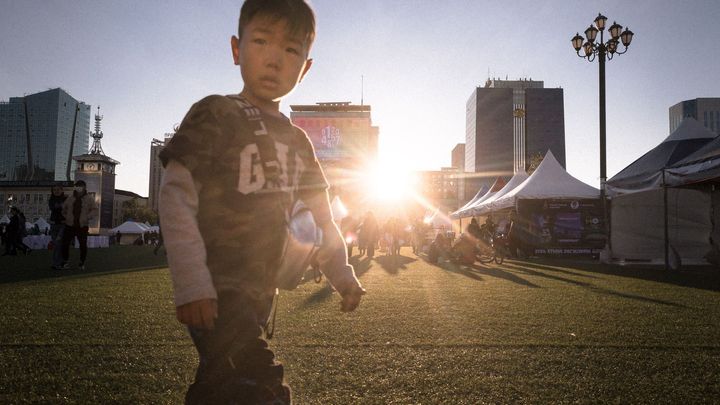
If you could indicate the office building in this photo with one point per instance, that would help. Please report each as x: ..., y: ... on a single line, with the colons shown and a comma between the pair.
x: 156, y: 170
x: 705, y: 110
x: 344, y: 139
x: 507, y: 122
x: 440, y: 188
x: 39, y: 135
x: 458, y: 157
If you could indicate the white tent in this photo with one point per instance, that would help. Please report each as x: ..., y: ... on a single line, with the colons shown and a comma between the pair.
x: 480, y: 194
x: 42, y: 224
x: 4, y: 220
x: 515, y: 181
x: 548, y: 181
x: 497, y: 186
x: 129, y: 231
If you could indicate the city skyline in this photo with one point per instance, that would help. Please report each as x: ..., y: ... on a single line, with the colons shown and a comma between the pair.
x: 145, y: 64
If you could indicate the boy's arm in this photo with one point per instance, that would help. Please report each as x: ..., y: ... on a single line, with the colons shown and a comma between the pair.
x: 332, y: 255
x: 192, y: 282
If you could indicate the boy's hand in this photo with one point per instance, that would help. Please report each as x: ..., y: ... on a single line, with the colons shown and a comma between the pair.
x: 351, y: 298
x: 199, y: 314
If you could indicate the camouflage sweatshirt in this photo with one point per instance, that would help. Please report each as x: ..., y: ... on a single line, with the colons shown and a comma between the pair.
x: 223, y: 225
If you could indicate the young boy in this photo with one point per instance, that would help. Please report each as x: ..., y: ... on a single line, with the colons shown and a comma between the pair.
x: 224, y: 229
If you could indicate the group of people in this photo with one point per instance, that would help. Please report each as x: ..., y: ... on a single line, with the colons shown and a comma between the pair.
x: 70, y: 216
x: 13, y: 234
x: 368, y: 234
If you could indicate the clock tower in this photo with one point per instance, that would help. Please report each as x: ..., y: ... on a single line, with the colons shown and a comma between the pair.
x: 98, y: 172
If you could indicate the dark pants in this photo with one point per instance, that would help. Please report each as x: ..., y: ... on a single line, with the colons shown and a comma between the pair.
x: 57, y: 231
x: 236, y: 365
x: 72, y: 232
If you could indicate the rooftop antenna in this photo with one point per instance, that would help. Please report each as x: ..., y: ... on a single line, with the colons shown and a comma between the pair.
x: 362, y: 89
x: 97, y: 136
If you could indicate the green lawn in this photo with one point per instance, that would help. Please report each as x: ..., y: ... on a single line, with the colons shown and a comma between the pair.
x: 540, y: 331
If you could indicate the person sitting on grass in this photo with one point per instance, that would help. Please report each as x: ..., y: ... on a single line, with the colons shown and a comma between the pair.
x: 223, y: 221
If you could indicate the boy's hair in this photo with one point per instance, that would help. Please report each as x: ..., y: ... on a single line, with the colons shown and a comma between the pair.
x: 299, y: 16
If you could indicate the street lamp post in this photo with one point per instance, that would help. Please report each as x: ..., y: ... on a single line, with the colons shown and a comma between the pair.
x: 602, y: 50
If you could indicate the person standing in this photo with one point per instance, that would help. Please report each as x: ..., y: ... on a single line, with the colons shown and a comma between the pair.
x: 18, y: 232
x: 57, y: 224
x: 224, y: 212
x: 78, y: 210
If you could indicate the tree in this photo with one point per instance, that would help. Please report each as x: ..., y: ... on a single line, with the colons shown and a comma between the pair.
x: 133, y: 211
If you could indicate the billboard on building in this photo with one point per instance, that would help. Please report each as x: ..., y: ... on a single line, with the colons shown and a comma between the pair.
x: 337, y: 138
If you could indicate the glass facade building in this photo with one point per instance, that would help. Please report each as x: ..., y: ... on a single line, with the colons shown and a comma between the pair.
x: 39, y: 135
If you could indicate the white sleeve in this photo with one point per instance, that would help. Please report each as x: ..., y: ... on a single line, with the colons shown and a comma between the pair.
x: 185, y: 247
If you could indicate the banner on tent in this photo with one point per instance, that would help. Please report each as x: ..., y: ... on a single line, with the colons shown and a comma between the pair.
x: 563, y: 227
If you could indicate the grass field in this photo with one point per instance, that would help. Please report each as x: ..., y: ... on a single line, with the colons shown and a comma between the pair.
x: 532, y: 332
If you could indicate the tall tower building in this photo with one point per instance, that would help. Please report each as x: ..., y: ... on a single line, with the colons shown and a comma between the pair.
x: 705, y: 110
x: 39, y: 135
x: 98, y: 172
x: 509, y: 122
x: 156, y: 170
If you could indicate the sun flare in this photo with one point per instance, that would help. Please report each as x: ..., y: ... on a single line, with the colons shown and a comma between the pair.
x: 390, y: 181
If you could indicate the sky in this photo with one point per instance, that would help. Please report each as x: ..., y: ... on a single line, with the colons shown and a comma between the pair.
x: 146, y: 62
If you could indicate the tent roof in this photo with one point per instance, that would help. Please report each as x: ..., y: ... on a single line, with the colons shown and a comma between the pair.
x: 701, y: 166
x: 644, y: 173
x: 497, y: 186
x: 549, y: 180
x: 480, y: 193
x: 130, y: 227
x: 710, y: 150
x: 515, y: 181
x: 42, y: 223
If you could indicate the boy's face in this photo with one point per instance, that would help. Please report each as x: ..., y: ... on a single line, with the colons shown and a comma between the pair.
x: 272, y: 61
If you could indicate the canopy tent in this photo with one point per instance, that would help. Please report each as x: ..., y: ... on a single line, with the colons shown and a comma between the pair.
x: 130, y: 227
x: 515, y: 181
x: 702, y: 165
x: 548, y: 181
x: 42, y: 224
x: 480, y: 193
x: 646, y: 173
x: 651, y: 220
x: 497, y: 186
x: 129, y: 231
x: 646, y: 223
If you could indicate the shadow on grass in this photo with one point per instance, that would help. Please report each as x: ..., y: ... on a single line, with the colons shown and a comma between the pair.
x: 477, y: 270
x: 36, y: 266
x: 392, y: 264
x: 701, y: 277
x: 505, y: 275
x: 361, y: 267
x: 530, y: 269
